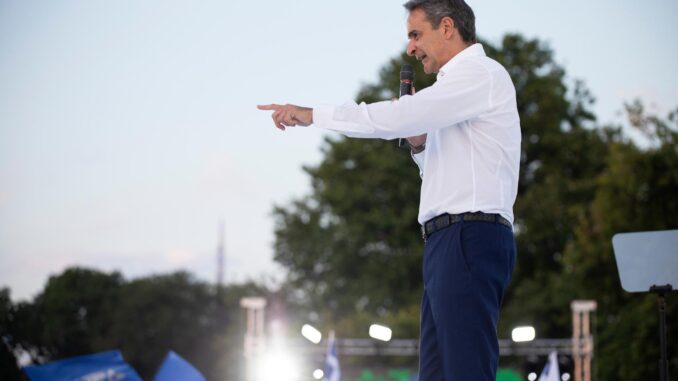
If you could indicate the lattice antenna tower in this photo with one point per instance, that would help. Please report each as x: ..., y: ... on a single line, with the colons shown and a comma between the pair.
x: 221, y: 255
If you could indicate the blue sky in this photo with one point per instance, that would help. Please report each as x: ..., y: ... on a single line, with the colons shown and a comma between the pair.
x: 128, y: 129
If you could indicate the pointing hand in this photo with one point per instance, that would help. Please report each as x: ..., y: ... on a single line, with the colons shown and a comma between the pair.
x: 289, y: 115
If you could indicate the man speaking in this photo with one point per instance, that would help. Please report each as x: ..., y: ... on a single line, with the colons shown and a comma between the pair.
x: 464, y: 132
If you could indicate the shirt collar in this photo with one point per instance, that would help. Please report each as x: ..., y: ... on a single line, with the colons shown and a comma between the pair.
x: 474, y: 50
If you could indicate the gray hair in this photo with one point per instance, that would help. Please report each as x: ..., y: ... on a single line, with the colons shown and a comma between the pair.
x: 460, y: 12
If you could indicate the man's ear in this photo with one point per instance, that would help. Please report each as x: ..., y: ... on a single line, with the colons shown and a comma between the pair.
x: 447, y: 25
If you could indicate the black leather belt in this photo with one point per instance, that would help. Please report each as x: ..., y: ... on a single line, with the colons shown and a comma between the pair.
x: 445, y: 220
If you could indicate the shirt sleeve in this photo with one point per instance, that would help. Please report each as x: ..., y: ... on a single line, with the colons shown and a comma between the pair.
x: 461, y: 95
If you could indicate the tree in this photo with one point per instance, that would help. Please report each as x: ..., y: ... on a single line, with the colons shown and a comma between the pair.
x: 9, y: 369
x: 82, y: 311
x: 636, y: 192
x: 73, y: 311
x: 173, y: 311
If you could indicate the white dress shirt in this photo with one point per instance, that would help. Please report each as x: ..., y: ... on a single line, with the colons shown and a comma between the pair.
x: 472, y: 153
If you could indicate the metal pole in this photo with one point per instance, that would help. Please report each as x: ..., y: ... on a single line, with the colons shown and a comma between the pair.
x: 661, y: 304
x: 576, y: 344
x: 663, y: 359
x: 587, y: 346
x: 582, y: 340
x: 254, y: 335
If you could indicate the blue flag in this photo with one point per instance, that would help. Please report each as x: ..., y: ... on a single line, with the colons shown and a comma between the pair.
x: 104, y: 366
x: 551, y: 371
x: 332, y: 370
x: 175, y: 368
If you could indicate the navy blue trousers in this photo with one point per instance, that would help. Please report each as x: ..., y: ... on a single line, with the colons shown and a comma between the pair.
x: 467, y: 267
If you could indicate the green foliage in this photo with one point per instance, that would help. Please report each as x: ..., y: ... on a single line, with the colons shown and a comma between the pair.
x: 8, y: 362
x: 357, y: 233
x: 636, y: 192
x: 83, y: 311
x: 74, y: 309
x: 167, y: 312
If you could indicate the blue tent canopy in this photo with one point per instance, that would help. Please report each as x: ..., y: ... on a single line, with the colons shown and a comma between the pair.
x: 175, y: 368
x: 104, y: 366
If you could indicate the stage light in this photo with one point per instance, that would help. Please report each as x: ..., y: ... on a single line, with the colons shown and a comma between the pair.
x: 311, y: 333
x: 318, y: 374
x: 380, y: 332
x: 523, y: 334
x: 532, y: 376
x: 277, y: 365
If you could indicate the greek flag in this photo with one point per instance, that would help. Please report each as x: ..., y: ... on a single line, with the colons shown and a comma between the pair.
x: 332, y: 371
x: 551, y: 371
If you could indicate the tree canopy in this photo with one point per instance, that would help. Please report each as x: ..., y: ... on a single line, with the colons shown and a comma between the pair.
x: 82, y: 311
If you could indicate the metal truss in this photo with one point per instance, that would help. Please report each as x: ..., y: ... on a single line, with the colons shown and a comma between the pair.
x: 410, y: 347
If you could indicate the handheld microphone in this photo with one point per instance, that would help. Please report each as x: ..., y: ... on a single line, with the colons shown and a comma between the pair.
x: 406, y: 80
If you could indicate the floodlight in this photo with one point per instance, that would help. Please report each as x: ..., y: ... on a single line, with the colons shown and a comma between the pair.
x: 380, y: 332
x: 311, y: 333
x: 523, y: 334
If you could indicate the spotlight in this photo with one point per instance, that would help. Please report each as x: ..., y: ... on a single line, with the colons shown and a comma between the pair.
x: 311, y: 333
x: 523, y: 334
x: 380, y: 332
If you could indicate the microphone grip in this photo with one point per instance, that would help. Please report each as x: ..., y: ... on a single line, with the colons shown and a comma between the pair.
x: 405, y: 89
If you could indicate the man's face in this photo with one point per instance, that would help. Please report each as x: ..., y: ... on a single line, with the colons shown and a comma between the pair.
x: 425, y: 43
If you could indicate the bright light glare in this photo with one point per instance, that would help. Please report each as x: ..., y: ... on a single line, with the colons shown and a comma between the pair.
x: 311, y: 333
x: 565, y: 377
x: 318, y: 374
x: 532, y: 376
x: 523, y: 334
x: 380, y: 332
x: 279, y: 366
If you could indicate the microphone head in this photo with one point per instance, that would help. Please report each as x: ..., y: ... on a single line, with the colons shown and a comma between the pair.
x: 406, y: 73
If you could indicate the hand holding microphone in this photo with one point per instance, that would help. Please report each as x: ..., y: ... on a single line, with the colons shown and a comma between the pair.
x: 406, y: 79
x: 414, y: 143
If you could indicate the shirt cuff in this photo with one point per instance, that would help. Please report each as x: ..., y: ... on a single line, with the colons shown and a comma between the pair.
x: 419, y: 159
x: 322, y: 116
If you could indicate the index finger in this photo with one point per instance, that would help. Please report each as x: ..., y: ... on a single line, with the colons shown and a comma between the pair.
x: 272, y: 106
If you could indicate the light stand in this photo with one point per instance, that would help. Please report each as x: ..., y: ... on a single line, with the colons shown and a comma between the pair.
x: 661, y: 303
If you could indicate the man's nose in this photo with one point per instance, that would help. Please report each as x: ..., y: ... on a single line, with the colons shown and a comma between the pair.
x: 410, y: 48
